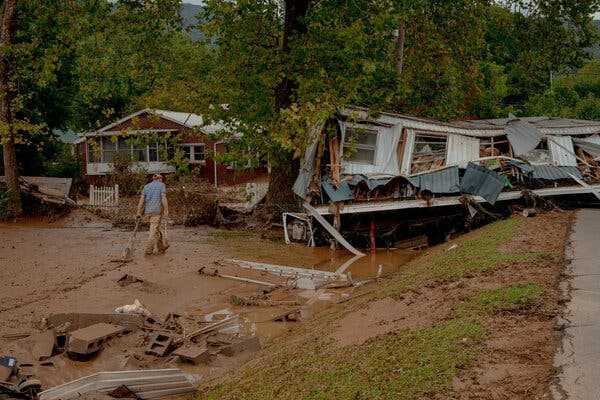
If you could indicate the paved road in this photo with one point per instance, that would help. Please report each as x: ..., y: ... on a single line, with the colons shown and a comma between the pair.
x: 578, y: 360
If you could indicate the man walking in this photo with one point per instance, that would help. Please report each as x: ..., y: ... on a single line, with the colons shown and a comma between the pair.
x: 153, y: 204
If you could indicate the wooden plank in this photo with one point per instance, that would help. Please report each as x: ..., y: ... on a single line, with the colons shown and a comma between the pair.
x: 338, y: 236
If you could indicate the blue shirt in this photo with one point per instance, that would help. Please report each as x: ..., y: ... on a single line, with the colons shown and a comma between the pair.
x: 153, y: 192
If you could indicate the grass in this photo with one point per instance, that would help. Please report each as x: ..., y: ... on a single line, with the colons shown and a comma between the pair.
x: 477, y: 252
x: 402, y: 365
x: 512, y: 298
x: 397, y: 366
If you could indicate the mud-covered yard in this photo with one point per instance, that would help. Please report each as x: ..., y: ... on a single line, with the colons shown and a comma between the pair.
x: 468, y: 319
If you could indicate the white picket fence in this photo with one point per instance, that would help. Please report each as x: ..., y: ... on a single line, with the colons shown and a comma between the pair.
x: 104, y: 196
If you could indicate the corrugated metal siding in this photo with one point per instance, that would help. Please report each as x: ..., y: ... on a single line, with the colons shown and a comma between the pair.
x: 523, y: 136
x: 461, y: 150
x: 408, y: 150
x: 561, y: 150
x: 443, y: 181
x: 552, y: 173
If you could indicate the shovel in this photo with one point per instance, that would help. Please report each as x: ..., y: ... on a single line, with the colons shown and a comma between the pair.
x: 128, y: 252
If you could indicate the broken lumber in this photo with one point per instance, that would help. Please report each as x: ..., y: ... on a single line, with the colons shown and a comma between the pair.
x: 215, y: 272
x: 220, y: 324
x: 337, y: 235
x: 253, y: 301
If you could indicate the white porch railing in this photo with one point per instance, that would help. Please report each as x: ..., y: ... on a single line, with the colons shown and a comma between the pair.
x: 104, y: 196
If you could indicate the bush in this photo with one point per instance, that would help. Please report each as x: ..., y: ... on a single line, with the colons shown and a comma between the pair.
x: 130, y: 181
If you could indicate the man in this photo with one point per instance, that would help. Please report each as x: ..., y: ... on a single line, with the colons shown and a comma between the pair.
x: 153, y: 203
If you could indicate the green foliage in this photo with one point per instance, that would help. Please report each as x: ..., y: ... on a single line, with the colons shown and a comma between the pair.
x: 511, y: 298
x: 64, y: 164
x: 574, y: 95
x: 130, y: 180
x: 404, y: 365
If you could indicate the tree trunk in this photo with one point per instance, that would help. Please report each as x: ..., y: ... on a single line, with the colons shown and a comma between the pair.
x: 400, y: 47
x: 7, y: 32
x: 284, y: 168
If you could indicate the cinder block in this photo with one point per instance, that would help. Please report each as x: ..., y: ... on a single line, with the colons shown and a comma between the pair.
x: 89, y: 340
x: 159, y: 344
x: 249, y: 343
x: 194, y: 354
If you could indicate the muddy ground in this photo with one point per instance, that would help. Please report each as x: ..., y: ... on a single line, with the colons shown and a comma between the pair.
x: 66, y: 266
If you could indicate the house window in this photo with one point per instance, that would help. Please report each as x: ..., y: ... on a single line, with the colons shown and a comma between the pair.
x: 194, y: 152
x: 360, y: 145
x: 429, y: 152
x: 109, y: 148
x: 153, y: 152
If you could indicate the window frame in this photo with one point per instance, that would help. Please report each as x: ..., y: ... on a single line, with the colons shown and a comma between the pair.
x: 360, y: 146
x: 192, y: 158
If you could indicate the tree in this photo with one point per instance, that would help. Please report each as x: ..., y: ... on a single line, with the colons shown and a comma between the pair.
x: 7, y: 33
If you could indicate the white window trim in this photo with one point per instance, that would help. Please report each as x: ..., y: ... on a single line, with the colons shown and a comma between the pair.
x: 360, y: 146
x: 192, y: 159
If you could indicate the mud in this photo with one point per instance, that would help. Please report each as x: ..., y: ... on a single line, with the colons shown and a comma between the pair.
x: 65, y: 266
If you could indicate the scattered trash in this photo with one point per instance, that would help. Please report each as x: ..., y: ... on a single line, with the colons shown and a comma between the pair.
x: 135, y: 308
x: 91, y: 339
x: 7, y: 367
x: 529, y: 212
x: 149, y: 384
x: 454, y: 246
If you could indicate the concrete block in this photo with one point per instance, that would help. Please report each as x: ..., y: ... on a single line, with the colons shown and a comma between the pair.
x: 159, y: 344
x: 43, y: 344
x: 89, y: 340
x: 195, y: 354
x: 249, y: 343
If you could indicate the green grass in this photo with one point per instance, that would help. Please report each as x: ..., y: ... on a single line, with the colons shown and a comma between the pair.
x: 477, y: 252
x: 397, y: 366
x: 512, y: 298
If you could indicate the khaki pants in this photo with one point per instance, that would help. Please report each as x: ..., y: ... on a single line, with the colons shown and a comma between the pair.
x: 157, y: 236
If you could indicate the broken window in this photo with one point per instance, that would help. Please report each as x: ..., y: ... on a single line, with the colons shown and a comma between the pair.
x: 494, y: 146
x: 429, y: 152
x: 360, y: 145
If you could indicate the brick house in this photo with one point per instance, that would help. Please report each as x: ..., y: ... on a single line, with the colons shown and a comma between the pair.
x: 99, y: 147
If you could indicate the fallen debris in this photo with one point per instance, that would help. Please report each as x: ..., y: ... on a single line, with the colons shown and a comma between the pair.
x: 43, y: 344
x: 135, y: 308
x: 7, y: 367
x: 146, y: 384
x: 89, y: 340
x: 212, y: 271
x: 261, y: 302
x: 241, y: 344
x: 15, y: 336
x: 194, y: 354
